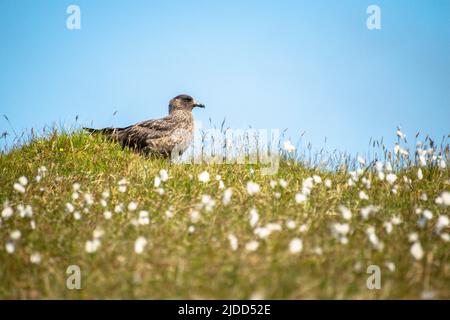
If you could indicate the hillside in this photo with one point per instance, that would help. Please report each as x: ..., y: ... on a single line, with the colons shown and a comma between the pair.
x: 145, y: 228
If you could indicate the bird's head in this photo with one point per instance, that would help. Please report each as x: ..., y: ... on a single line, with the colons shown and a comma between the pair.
x: 184, y: 102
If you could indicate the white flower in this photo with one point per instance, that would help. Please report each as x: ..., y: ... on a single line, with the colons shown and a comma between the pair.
x: 252, y: 188
x: 7, y: 212
x: 388, y: 226
x: 363, y: 196
x: 10, y: 247
x: 442, y: 222
x: 290, y: 224
x: 419, y: 174
x: 328, y: 183
x: 218, y: 177
x: 164, y: 175
x: 254, y: 217
x: 132, y: 206
x: 107, y: 215
x: 263, y: 232
x: 122, y: 185
x: 443, y: 199
x: 296, y: 245
x: 140, y: 244
x: 317, y: 179
x: 69, y: 207
x: 227, y: 196
x: 76, y: 187
x: 401, y: 135
x: 252, y: 245
x: 203, y: 177
x: 88, y: 199
x: 160, y: 191
x: 19, y: 188
x: 423, y: 197
x: 157, y: 182
x: 169, y: 213
x: 390, y: 265
x: 106, y: 194
x: 208, y: 203
x: 98, y: 233
x: 413, y: 237
x: 118, y: 208
x: 391, y: 178
x: 288, y: 146
x: 379, y: 166
x: 273, y: 183
x: 300, y: 198
x: 15, y: 235
x: 417, y: 251
x: 92, y: 246
x: 191, y: 229
x: 346, y: 213
x: 303, y: 228
x: 442, y: 164
x: 23, y: 181
x: 77, y: 215
x: 35, y: 258
x: 221, y: 185
x: 233, y: 241
x: 341, y: 228
x: 143, y: 217
x: 75, y: 196
x: 195, y: 216
x: 283, y: 183
x: 396, y: 220
x: 307, y: 185
x: 277, y: 195
x: 445, y: 237
x: 427, y: 214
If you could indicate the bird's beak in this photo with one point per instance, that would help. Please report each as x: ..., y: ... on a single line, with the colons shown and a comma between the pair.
x: 198, y: 104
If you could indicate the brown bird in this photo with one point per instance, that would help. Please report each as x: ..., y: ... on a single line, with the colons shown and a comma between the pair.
x: 161, y: 137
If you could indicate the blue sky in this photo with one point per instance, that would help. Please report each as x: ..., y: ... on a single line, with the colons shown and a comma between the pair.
x: 303, y: 65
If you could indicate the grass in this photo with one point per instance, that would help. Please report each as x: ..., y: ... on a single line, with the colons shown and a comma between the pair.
x: 186, y: 259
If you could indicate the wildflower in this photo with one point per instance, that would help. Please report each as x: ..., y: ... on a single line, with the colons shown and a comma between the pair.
x: 88, y: 199
x: 164, y: 175
x: 15, y: 235
x: 203, y: 177
x: 277, y: 195
x: 169, y: 213
x: 19, y: 188
x: 132, y: 206
x: 370, y: 231
x: 423, y: 197
x: 442, y: 222
x: 443, y: 199
x: 419, y: 174
x: 23, y: 181
x: 92, y: 246
x: 76, y: 187
x: 103, y: 203
x: 346, y: 213
x: 290, y: 224
x: 427, y: 214
x: 106, y: 194
x: 107, y: 215
x: 417, y: 251
x: 413, y: 237
x: 157, y: 182
x: 122, y: 185
x: 208, y: 203
x: 7, y: 212
x: 390, y: 265
x: 195, y: 216
x: 10, y: 247
x: 143, y: 217
x: 233, y: 241
x: 283, y: 183
x: 307, y: 186
x: 341, y: 228
x: 442, y: 164
x: 391, y: 178
x: 363, y: 196
x: 77, y: 215
x: 254, y: 217
x: 252, y: 188
x: 191, y: 229
x: 227, y: 196
x: 303, y: 228
x: 317, y: 179
x: 300, y: 198
x: 295, y: 246
x: 328, y: 183
x: 35, y: 258
x: 288, y: 146
x: 25, y: 212
x: 252, y: 245
x: 69, y: 207
x: 388, y: 226
x: 161, y: 191
x: 75, y: 196
x: 273, y: 183
x: 98, y: 233
x: 118, y: 208
x: 221, y: 185
x: 262, y: 232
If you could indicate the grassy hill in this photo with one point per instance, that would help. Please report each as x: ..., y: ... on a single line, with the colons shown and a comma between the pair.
x: 306, y: 233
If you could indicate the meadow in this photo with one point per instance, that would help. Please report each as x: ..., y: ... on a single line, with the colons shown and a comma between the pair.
x: 144, y: 228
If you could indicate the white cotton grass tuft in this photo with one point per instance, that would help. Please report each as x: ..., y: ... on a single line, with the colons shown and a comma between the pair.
x: 417, y: 251
x: 288, y: 146
x: 233, y: 241
x: 122, y: 185
x: 203, y: 177
x: 252, y: 245
x: 345, y: 212
x: 19, y: 187
x: 35, y: 258
x: 92, y: 246
x: 254, y: 217
x: 253, y: 188
x: 226, y: 199
x: 139, y: 245
x: 10, y: 247
x: 7, y: 211
x: 132, y: 206
x: 300, y: 198
x: 443, y: 199
x: 144, y: 218
x: 164, y: 175
x: 107, y: 215
x: 296, y: 246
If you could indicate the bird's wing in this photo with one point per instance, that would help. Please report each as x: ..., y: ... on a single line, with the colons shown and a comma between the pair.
x: 140, y: 133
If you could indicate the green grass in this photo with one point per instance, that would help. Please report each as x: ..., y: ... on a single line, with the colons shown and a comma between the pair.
x: 177, y: 263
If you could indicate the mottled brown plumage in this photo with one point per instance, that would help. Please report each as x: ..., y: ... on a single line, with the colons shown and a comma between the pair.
x: 171, y: 134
